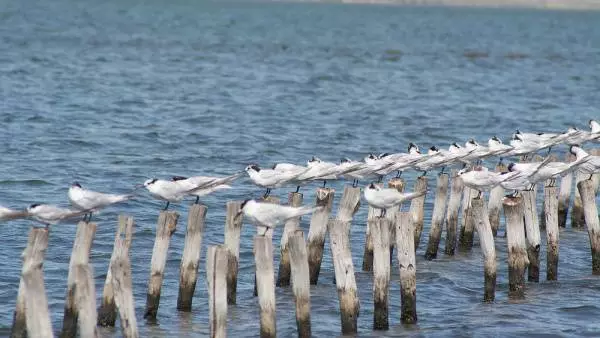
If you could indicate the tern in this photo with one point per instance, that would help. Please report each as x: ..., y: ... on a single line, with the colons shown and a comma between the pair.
x: 385, y: 198
x: 50, y: 214
x: 536, y: 172
x: 203, y: 185
x: 482, y: 179
x: 591, y: 165
x: 92, y: 201
x: 269, y: 215
x: 497, y: 148
x: 270, y: 178
x: 169, y: 191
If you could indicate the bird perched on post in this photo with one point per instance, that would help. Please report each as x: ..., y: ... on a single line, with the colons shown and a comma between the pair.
x: 385, y: 198
x: 92, y: 201
x: 269, y: 215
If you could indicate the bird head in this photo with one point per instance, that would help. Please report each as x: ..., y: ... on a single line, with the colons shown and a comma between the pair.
x: 252, y: 167
x: 345, y: 160
x: 178, y: 178
x: 150, y: 182
x: 75, y: 185
x: 412, y: 148
x: 573, y: 149
x: 314, y: 159
x: 33, y: 207
x: 511, y: 167
x: 433, y: 150
x: 462, y: 171
x: 382, y: 155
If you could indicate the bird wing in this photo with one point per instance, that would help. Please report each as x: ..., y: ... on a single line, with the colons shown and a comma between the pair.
x: 8, y: 214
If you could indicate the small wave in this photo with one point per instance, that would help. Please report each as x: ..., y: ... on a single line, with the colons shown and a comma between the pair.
x: 579, y: 309
x: 474, y: 54
x: 26, y: 182
x: 516, y: 56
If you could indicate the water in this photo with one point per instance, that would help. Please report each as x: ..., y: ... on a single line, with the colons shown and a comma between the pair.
x: 111, y: 92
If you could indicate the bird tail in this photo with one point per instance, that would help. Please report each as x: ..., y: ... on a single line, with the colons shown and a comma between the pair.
x: 121, y: 198
x: 307, y: 210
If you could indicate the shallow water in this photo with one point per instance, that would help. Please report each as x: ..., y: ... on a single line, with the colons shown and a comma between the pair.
x: 109, y: 93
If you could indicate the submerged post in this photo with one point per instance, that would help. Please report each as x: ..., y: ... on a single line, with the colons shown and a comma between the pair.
x: 577, y: 216
x: 120, y: 267
x: 488, y: 249
x: 452, y: 214
x: 495, y: 202
x: 216, y: 280
x: 317, y: 232
x: 532, y: 229
x: 417, y: 209
x: 233, y: 229
x: 564, y: 196
x: 107, y: 313
x: 437, y: 219
x: 465, y: 242
x: 265, y: 283
x: 517, y: 247
x: 188, y: 270
x: 33, y: 259
x: 344, y: 274
x: 167, y: 223
x: 408, y: 267
x: 80, y: 255
x: 380, y: 230
x: 291, y: 225
x: 552, y: 233
x: 300, y: 283
x: 590, y: 210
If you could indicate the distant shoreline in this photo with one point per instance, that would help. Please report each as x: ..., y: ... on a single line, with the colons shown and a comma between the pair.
x: 534, y: 4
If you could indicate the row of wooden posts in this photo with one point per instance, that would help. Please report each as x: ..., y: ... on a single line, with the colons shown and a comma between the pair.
x: 300, y: 261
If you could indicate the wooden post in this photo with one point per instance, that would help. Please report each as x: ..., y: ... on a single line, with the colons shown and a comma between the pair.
x: 495, y: 202
x: 367, y: 264
x: 465, y: 241
x: 577, y: 216
x: 380, y: 230
x: 349, y: 203
x: 552, y: 233
x: 452, y: 214
x: 268, y: 233
x: 408, y: 267
x: 398, y: 184
x: 37, y: 317
x: 564, y: 195
x: 188, y: 271
x: 437, y: 219
x: 80, y: 255
x: 596, y: 176
x: 265, y: 281
x: 517, y: 247
x: 344, y: 274
x: 488, y: 249
x: 590, y: 210
x: 532, y: 229
x: 216, y: 280
x: 123, y: 292
x: 291, y: 225
x: 107, y: 313
x: 33, y: 259
x: 417, y: 209
x: 300, y: 282
x: 233, y: 229
x: 85, y: 300
x: 317, y: 232
x: 167, y: 223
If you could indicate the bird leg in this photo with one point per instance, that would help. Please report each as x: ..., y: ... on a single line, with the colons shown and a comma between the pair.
x: 89, y: 217
x: 267, y: 193
x: 479, y: 195
x: 500, y: 162
x: 398, y: 174
x: 380, y: 179
x: 515, y: 194
x: 383, y: 212
x: 549, y: 150
x: 297, y: 189
x: 167, y: 206
x: 442, y: 172
x: 324, y: 183
x: 591, y: 176
x: 424, y: 173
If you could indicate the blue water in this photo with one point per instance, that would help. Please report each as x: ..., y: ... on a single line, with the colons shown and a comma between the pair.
x: 112, y: 92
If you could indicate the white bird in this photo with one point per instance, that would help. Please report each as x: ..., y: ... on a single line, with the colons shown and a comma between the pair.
x: 595, y: 127
x: 522, y: 147
x: 497, y: 148
x: 404, y: 161
x: 591, y: 163
x: 576, y: 136
x: 536, y: 172
x: 203, y: 185
x: 92, y: 201
x: 7, y: 214
x: 385, y: 198
x: 269, y: 215
x: 169, y: 191
x: 477, y: 151
x: 50, y: 214
x: 270, y: 178
x: 516, y: 182
x: 356, y: 174
x: 481, y: 179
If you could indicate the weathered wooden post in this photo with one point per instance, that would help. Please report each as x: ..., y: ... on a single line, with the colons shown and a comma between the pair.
x: 532, y: 229
x: 564, y: 195
x: 417, y: 209
x: 190, y: 260
x: 300, y: 283
x: 265, y: 283
x: 408, y: 267
x: 33, y: 259
x: 380, y: 230
x: 488, y: 249
x: 317, y: 232
x: 291, y: 225
x: 373, y: 212
x: 37, y: 317
x: 216, y: 280
x: 167, y: 223
x: 517, y: 247
x: 107, y: 313
x: 577, y: 216
x: 344, y: 273
x: 120, y: 267
x: 437, y: 219
x: 495, y: 202
x: 452, y: 214
x: 80, y: 255
x: 265, y: 232
x: 465, y: 241
x: 552, y: 233
x: 85, y: 300
x: 233, y: 229
x: 398, y: 184
x: 590, y: 210
x: 349, y: 204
